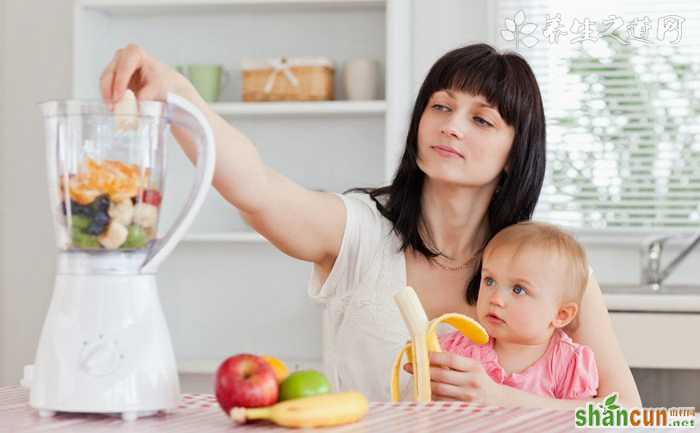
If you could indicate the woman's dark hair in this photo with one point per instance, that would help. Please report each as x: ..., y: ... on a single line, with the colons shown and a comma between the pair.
x: 507, y: 82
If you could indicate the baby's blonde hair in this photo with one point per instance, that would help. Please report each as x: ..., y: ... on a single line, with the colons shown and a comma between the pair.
x: 548, y: 238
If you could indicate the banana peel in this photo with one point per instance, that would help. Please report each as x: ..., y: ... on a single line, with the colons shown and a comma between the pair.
x: 424, y: 339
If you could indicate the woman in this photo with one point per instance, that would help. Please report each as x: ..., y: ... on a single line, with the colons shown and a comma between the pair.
x: 474, y: 163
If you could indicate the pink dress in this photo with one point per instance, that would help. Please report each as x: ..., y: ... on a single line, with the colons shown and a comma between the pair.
x: 566, y: 370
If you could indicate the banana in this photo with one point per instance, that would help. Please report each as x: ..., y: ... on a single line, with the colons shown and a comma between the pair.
x: 121, y: 212
x: 145, y: 215
x: 424, y: 339
x: 114, y: 236
x: 317, y: 411
x: 126, y: 112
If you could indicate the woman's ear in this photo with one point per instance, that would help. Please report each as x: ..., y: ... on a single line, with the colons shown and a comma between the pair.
x: 565, y: 315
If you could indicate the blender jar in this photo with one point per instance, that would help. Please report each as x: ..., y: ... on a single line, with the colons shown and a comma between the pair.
x: 105, y: 180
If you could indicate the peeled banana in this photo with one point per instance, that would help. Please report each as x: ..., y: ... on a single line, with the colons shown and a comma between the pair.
x: 145, y: 215
x: 114, y: 236
x: 424, y: 339
x: 122, y: 211
x: 126, y: 112
x: 317, y: 411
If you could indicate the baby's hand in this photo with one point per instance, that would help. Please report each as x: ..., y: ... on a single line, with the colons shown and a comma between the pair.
x: 455, y: 377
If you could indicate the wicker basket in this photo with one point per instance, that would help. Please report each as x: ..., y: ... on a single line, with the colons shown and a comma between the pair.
x: 287, y: 79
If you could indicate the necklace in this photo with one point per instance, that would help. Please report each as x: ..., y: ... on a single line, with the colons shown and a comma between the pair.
x: 453, y: 268
x: 464, y: 265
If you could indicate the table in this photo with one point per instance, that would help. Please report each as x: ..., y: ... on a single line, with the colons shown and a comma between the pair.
x: 200, y: 413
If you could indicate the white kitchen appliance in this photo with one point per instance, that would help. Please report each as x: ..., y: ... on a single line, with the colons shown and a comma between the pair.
x: 105, y: 345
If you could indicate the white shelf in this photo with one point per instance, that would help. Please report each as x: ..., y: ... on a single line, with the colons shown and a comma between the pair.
x: 242, y: 236
x: 206, y: 7
x: 321, y: 108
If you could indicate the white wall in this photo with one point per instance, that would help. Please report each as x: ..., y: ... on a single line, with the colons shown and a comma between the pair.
x: 35, y: 67
x: 443, y: 25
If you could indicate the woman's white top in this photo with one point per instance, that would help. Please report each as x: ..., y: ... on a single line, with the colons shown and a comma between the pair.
x: 362, y: 326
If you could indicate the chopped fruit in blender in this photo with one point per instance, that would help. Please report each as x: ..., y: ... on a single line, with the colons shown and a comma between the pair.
x: 114, y: 237
x: 124, y: 194
x: 151, y: 232
x: 122, y: 212
x: 117, y: 179
x: 98, y: 224
x: 77, y: 209
x: 80, y: 222
x: 101, y: 204
x: 151, y: 196
x: 106, y: 194
x: 136, y: 238
x: 84, y: 240
x: 84, y: 196
x: 145, y: 215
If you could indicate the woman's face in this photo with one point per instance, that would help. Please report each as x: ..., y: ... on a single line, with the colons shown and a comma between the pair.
x: 462, y: 140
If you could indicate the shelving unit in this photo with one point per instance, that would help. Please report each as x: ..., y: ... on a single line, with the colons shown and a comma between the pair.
x: 190, y: 7
x: 224, y: 289
x: 319, y: 109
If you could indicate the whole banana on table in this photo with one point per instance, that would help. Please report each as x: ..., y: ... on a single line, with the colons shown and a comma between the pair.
x: 323, y: 410
x: 424, y: 339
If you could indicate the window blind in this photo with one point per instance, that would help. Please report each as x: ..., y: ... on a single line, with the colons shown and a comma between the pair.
x: 621, y: 88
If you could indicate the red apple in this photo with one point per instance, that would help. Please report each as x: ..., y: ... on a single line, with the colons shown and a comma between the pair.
x: 245, y: 380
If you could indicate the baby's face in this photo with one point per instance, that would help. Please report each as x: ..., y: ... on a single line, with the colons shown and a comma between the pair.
x: 520, y: 293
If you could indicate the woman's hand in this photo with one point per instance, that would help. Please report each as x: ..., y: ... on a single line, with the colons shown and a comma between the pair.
x: 147, y: 77
x: 455, y: 377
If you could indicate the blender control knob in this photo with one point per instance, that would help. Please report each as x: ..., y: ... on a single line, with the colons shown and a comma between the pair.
x: 99, y: 359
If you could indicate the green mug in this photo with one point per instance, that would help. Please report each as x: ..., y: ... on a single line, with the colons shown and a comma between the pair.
x: 208, y: 79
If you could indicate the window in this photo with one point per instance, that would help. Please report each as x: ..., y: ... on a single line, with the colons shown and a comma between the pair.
x: 621, y: 88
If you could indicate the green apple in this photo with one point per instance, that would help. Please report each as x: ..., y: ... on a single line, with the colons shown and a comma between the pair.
x: 304, y: 383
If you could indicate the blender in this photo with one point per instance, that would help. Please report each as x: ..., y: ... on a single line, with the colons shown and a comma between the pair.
x: 105, y: 345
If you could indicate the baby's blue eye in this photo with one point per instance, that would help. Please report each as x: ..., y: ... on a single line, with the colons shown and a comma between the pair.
x: 440, y: 107
x: 489, y: 281
x: 518, y: 290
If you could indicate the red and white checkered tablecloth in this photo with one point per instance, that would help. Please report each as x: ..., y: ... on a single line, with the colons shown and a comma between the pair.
x: 200, y: 413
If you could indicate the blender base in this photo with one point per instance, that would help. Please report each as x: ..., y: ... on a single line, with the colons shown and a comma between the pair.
x: 126, y: 416
x: 104, y: 348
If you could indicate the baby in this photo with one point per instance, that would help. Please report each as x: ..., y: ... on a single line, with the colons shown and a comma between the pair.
x: 532, y: 281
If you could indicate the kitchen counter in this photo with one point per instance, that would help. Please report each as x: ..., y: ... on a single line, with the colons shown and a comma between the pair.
x: 656, y: 302
x: 656, y: 329
x: 638, y: 298
x: 200, y: 413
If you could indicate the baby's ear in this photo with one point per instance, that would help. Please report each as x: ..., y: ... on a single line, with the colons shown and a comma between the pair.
x: 565, y: 315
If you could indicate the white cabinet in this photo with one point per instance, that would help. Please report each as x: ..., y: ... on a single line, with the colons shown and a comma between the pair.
x: 224, y: 289
x: 659, y: 340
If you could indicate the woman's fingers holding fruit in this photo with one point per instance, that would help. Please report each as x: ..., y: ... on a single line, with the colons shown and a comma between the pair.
x: 129, y: 62
x: 133, y: 68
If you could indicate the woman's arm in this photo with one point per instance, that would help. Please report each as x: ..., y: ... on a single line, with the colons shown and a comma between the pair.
x: 304, y: 224
x: 595, y: 330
